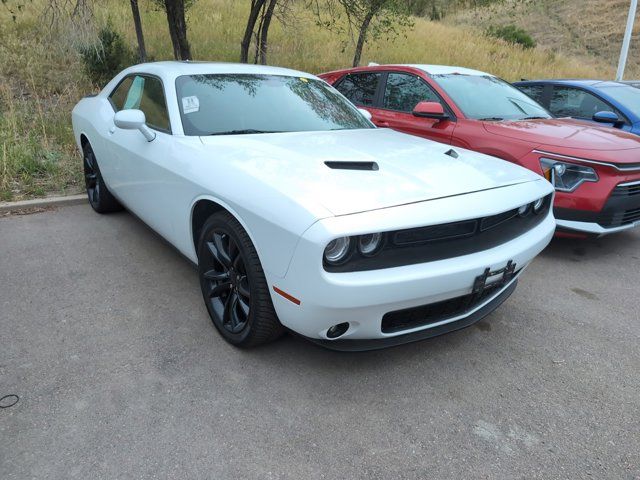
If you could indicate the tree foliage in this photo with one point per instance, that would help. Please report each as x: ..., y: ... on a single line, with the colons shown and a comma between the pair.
x: 363, y: 19
x: 106, y: 57
x: 512, y: 34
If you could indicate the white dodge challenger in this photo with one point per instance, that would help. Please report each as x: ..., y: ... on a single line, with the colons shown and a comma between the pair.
x: 300, y: 214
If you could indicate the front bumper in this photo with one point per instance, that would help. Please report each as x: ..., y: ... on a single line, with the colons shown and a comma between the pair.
x: 363, y: 298
x: 355, y: 345
x: 620, y: 212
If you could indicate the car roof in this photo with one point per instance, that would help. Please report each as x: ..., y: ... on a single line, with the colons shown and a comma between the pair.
x: 447, y: 70
x: 179, y: 68
x: 578, y: 82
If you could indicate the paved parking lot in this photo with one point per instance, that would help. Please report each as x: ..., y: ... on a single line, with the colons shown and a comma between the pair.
x: 121, y: 375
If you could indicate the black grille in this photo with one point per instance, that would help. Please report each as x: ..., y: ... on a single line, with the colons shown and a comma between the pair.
x: 618, y: 219
x: 626, y: 190
x: 448, y: 240
x: 424, y: 315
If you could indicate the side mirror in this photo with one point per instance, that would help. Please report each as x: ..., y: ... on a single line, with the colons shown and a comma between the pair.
x: 430, y: 110
x: 365, y: 113
x: 134, y: 120
x: 608, y: 117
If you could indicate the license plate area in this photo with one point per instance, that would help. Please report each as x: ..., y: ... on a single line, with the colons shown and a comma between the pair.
x: 493, y: 279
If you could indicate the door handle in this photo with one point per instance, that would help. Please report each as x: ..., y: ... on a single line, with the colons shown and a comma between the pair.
x: 382, y: 124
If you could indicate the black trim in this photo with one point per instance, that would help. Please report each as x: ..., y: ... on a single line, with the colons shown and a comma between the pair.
x: 347, y: 345
x: 443, y: 241
x: 356, y: 165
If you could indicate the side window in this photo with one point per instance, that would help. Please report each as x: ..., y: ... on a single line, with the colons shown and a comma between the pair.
x: 119, y: 95
x: 360, y: 88
x: 534, y: 91
x: 573, y: 102
x: 403, y: 92
x: 154, y: 105
x: 146, y: 94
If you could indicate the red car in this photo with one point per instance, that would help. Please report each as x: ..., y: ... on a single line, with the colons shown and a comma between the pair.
x: 595, y: 170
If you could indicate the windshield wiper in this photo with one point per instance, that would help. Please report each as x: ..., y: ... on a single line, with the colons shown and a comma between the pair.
x: 491, y: 119
x: 243, y: 132
x: 534, y: 118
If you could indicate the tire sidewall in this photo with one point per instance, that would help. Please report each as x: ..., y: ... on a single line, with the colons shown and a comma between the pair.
x: 218, y: 222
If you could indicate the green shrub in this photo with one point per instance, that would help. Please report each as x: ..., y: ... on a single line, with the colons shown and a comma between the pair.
x: 512, y: 34
x: 107, y: 56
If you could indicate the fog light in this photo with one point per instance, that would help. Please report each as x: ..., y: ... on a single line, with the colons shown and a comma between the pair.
x: 338, y: 330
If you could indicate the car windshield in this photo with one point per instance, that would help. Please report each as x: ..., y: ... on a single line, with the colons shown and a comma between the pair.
x: 625, y: 95
x: 233, y: 104
x: 484, y: 97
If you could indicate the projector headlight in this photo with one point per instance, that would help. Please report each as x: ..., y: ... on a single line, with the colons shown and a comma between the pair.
x: 369, y: 244
x: 566, y: 177
x: 337, y: 251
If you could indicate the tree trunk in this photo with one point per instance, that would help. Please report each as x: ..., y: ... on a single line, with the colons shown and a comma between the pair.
x: 256, y: 6
x: 178, y: 29
x: 264, y: 31
x: 142, y: 51
x: 362, y: 36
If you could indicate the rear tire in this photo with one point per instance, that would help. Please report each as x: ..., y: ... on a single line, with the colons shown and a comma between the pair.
x: 100, y: 197
x: 233, y: 284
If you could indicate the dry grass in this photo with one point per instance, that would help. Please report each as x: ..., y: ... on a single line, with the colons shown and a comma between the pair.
x: 41, y: 75
x: 590, y: 30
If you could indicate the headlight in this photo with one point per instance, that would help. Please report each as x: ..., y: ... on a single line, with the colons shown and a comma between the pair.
x: 523, y: 210
x: 566, y: 177
x: 537, y: 205
x: 337, y: 250
x: 369, y: 244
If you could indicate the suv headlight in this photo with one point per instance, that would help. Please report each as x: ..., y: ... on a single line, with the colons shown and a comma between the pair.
x: 566, y: 177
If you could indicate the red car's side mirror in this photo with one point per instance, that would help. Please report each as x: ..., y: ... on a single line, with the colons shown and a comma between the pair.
x: 430, y: 110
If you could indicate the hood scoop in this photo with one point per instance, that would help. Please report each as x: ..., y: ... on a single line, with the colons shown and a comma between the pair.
x: 342, y: 165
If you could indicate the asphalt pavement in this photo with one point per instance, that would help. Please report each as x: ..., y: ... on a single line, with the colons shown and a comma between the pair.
x: 120, y: 374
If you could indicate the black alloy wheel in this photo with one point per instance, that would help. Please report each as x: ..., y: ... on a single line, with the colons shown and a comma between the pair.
x: 100, y: 198
x: 233, y: 284
x: 227, y: 284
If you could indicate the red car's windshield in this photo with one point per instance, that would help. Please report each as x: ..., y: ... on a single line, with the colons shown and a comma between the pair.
x: 484, y: 97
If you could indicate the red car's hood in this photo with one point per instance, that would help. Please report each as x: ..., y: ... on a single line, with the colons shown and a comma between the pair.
x: 568, y: 134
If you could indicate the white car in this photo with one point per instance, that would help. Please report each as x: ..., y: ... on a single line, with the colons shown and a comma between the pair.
x: 300, y: 213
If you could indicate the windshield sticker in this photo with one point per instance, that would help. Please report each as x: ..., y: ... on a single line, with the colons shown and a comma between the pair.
x: 190, y: 104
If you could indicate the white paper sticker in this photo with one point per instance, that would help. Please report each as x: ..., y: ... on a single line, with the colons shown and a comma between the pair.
x: 190, y: 104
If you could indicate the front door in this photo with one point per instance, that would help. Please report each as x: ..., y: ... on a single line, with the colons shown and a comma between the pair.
x: 141, y: 175
x: 400, y: 94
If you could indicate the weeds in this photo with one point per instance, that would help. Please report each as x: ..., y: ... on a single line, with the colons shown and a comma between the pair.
x: 42, y: 74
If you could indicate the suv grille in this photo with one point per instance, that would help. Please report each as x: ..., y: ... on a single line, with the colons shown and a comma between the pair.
x: 626, y: 190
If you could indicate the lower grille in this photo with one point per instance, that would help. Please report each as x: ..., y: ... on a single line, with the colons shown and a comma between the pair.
x: 626, y: 190
x: 424, y: 315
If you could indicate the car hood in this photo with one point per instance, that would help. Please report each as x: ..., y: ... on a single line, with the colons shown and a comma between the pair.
x: 409, y: 169
x: 565, y: 133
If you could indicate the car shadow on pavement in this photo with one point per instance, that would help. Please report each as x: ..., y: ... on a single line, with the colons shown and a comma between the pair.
x: 622, y: 243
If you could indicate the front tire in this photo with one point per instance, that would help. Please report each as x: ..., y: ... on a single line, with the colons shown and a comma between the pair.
x: 233, y: 284
x: 100, y: 197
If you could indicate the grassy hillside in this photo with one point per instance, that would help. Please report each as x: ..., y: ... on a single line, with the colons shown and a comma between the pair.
x: 591, y: 30
x: 41, y: 75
